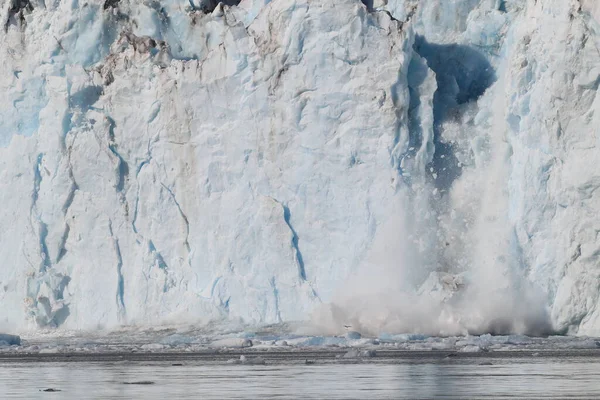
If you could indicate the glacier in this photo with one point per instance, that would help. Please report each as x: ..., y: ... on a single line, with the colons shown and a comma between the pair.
x: 400, y: 166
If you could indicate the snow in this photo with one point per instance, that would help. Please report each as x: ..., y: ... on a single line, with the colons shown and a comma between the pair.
x: 417, y: 168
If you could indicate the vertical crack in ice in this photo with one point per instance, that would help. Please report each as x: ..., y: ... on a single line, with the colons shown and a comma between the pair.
x: 123, y: 166
x: 70, y: 196
x: 135, y: 211
x: 158, y: 258
x: 42, y: 228
x: 137, y: 197
x: 120, y: 280
x: 295, y: 241
x: 185, y: 218
x: 48, y: 309
x: 63, y: 241
x: 397, y: 144
x: 43, y: 235
x: 214, y: 285
x: 160, y: 261
x: 276, y: 298
x: 417, y: 148
x: 62, y: 250
x: 224, y: 303
x: 37, y: 180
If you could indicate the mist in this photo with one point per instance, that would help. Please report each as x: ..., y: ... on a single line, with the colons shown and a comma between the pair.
x: 448, y: 263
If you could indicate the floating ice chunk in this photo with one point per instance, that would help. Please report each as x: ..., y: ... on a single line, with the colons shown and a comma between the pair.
x: 49, y: 350
x: 154, y: 347
x: 318, y: 341
x: 232, y: 343
x: 358, y: 353
x: 256, y: 361
x: 444, y: 344
x: 176, y: 339
x: 352, y: 353
x: 353, y: 335
x: 518, y: 339
x: 403, y: 337
x: 471, y: 349
x: 483, y: 341
x: 368, y: 353
x: 10, y: 340
x: 585, y: 343
x: 252, y: 360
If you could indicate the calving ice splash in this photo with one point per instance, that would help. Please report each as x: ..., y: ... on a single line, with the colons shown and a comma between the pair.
x: 397, y: 166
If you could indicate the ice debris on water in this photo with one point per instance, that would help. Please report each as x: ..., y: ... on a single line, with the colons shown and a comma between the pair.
x: 153, y: 347
x: 176, y: 340
x: 353, y: 353
x: 472, y: 349
x: 368, y: 353
x: 263, y: 344
x: 247, y: 360
x: 359, y: 353
x: 9, y: 340
x: 232, y: 343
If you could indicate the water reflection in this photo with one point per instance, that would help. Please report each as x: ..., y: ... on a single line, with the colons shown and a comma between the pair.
x: 548, y: 378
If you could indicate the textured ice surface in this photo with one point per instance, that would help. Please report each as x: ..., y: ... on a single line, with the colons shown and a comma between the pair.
x: 397, y: 166
x: 227, y: 175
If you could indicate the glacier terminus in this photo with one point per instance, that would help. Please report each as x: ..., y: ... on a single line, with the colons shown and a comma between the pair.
x: 398, y: 166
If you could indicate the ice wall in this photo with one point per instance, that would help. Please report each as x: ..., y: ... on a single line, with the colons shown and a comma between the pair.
x: 185, y: 166
x: 521, y: 213
x: 401, y: 165
x: 553, y: 115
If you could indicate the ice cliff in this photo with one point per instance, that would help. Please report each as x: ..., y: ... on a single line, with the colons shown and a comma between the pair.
x: 400, y: 166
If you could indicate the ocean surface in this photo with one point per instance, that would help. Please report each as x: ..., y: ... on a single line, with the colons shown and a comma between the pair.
x: 321, y: 375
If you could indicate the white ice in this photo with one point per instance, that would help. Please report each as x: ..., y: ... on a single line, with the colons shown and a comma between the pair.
x: 411, y: 167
